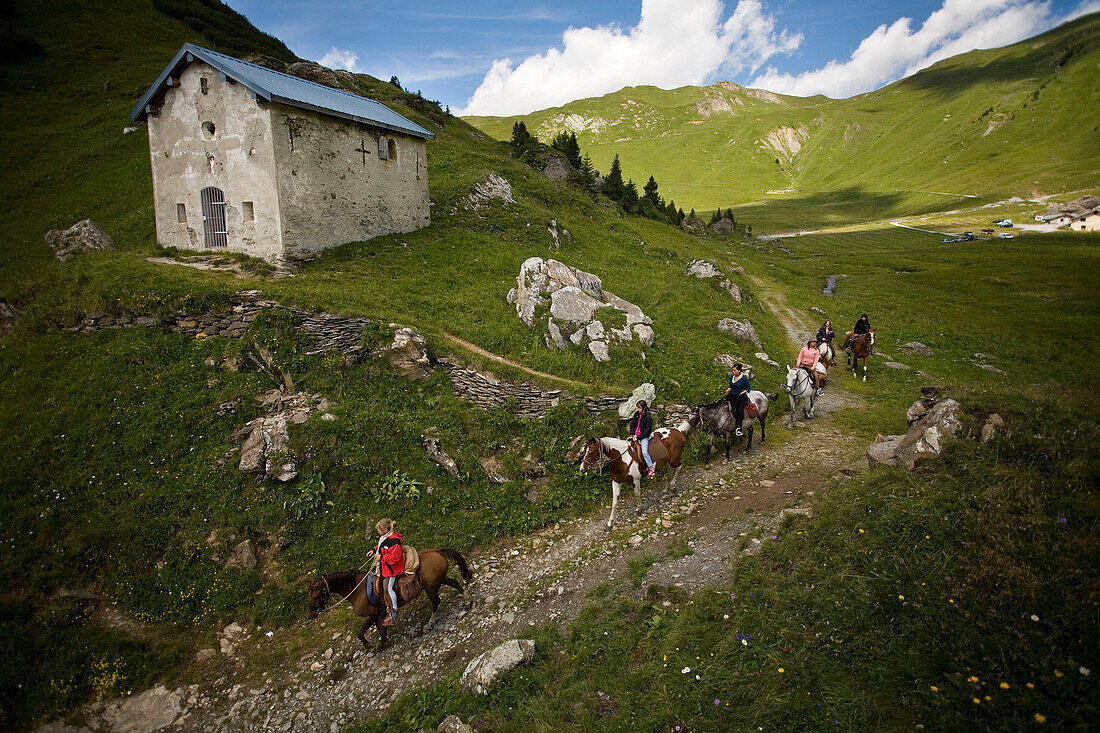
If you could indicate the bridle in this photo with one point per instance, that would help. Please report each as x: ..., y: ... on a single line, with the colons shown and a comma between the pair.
x: 800, y: 375
x: 326, y: 592
x: 602, y: 459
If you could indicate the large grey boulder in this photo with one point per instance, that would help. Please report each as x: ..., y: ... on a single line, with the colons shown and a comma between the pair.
x: 269, y: 435
x: 454, y: 724
x: 633, y: 313
x: 644, y: 333
x: 599, y: 350
x: 722, y: 227
x: 645, y: 391
x: 927, y: 435
x: 553, y: 334
x: 83, y: 237
x: 152, y: 710
x: 492, y: 188
x: 573, y: 306
x: 433, y: 446
x: 740, y: 330
x: 693, y: 226
x: 484, y: 668
x: 530, y: 285
x: 733, y: 290
x: 915, y: 347
x: 703, y: 269
x: 408, y: 354
x: 558, y: 168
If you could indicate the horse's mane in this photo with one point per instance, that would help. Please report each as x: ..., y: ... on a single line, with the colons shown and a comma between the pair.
x: 341, y: 577
x: 712, y: 404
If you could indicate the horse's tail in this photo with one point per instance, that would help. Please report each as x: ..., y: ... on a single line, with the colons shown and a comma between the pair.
x: 456, y: 557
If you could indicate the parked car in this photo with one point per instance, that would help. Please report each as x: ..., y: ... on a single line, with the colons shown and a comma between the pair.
x: 968, y: 237
x: 1004, y: 223
x: 1004, y: 235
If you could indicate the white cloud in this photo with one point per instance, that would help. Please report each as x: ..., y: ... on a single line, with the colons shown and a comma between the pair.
x: 675, y: 42
x: 895, y: 51
x: 337, y: 58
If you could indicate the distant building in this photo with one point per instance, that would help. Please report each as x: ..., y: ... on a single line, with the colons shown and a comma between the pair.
x: 1058, y: 219
x: 247, y: 159
x: 1090, y: 223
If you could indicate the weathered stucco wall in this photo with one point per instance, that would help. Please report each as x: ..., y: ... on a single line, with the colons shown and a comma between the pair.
x: 238, y: 158
x: 334, y: 188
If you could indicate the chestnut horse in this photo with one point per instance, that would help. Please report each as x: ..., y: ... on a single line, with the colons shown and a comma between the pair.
x: 352, y: 587
x: 627, y: 465
x: 859, y: 347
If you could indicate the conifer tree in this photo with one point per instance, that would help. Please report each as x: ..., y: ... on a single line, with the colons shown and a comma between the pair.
x: 587, y: 173
x: 613, y: 183
x: 630, y: 196
x: 650, y: 191
x: 566, y: 144
x: 680, y: 216
x: 520, y: 135
x: 716, y: 215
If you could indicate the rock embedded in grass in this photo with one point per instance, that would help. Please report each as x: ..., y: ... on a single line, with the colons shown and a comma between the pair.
x: 740, y: 330
x: 916, y: 348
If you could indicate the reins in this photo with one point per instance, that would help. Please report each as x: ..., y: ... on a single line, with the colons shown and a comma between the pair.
x: 346, y: 597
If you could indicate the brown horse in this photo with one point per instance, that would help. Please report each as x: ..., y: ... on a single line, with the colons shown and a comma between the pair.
x: 432, y: 573
x: 859, y: 347
x: 627, y: 464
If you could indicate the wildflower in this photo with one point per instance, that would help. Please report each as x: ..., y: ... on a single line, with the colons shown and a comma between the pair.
x: 935, y: 689
x: 1040, y: 718
x: 781, y: 670
x: 977, y: 701
x: 1084, y: 671
x: 1004, y: 685
x: 901, y: 597
x: 717, y: 701
x: 1034, y: 617
x: 971, y: 678
x: 685, y: 670
x: 1058, y: 673
x: 1031, y: 685
x: 861, y: 531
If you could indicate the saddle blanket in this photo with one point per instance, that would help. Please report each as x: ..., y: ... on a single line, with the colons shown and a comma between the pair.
x: 408, y: 588
x: 656, y: 451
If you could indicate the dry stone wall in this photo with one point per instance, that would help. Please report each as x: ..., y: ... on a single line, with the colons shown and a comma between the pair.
x: 531, y: 401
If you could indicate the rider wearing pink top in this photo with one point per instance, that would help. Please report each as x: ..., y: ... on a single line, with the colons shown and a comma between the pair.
x: 807, y: 359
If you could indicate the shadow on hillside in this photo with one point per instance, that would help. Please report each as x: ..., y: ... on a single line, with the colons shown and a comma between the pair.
x: 949, y: 79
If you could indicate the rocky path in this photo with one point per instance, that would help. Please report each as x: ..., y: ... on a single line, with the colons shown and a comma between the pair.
x: 317, y: 676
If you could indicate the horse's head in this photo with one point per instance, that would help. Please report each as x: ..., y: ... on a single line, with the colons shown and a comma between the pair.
x: 871, y: 333
x: 317, y: 595
x: 694, y: 418
x: 590, y: 455
x: 792, y: 377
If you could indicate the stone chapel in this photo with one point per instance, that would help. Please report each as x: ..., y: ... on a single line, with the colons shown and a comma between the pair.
x: 248, y: 159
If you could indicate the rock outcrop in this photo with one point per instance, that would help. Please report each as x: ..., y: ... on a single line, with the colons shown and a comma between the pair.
x: 740, y: 330
x: 434, y: 448
x: 576, y: 299
x: 83, y: 237
x: 492, y: 188
x: 484, y: 668
x: 408, y: 354
x: 314, y: 72
x: 703, y: 269
x: 645, y: 391
x: 931, y: 423
x: 915, y: 347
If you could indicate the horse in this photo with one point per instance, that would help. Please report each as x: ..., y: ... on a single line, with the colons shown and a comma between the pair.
x: 351, y: 585
x: 627, y: 464
x: 828, y: 353
x: 719, y: 418
x: 800, y: 389
x: 857, y: 348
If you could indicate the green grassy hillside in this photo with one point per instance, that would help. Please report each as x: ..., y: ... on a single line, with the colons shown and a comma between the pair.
x: 112, y: 482
x: 982, y: 123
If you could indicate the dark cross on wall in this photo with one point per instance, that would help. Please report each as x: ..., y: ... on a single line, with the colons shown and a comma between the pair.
x: 362, y: 149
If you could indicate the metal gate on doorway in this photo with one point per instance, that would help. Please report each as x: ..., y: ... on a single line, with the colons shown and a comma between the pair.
x: 213, y: 217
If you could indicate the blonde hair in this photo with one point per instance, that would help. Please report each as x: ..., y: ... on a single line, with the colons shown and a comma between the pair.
x: 384, y: 526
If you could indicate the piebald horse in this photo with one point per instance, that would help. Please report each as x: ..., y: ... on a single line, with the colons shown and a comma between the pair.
x: 859, y: 347
x: 828, y: 353
x: 626, y: 465
x: 432, y: 573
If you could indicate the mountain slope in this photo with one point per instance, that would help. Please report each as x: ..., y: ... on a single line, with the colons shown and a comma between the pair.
x: 981, y: 123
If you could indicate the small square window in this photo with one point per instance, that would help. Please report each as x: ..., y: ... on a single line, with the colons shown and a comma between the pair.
x: 181, y: 213
x: 249, y: 211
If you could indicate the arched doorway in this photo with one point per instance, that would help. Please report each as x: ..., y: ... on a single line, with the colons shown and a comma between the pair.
x: 213, y: 217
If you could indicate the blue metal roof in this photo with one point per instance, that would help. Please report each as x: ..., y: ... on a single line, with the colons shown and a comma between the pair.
x: 274, y: 86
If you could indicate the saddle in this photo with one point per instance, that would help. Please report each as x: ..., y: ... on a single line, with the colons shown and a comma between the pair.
x: 408, y: 589
x: 657, y: 451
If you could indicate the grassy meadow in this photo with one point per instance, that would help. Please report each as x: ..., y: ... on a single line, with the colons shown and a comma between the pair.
x: 117, y: 480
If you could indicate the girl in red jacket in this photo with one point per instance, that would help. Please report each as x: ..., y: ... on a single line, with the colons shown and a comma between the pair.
x: 391, y: 564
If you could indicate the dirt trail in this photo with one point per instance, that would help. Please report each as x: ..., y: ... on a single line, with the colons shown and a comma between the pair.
x: 323, y: 678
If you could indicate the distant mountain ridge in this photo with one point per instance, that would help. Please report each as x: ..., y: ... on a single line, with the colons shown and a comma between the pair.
x: 1001, y: 121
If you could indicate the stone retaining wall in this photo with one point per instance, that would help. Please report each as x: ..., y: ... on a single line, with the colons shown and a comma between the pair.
x: 344, y: 334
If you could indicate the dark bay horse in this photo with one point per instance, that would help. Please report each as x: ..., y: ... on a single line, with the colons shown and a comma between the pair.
x: 352, y: 586
x: 859, y: 347
x: 718, y: 417
x: 627, y: 465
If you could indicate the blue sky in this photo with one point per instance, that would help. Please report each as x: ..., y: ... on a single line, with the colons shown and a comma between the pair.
x: 496, y: 57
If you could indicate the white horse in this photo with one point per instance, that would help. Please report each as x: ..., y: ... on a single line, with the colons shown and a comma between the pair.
x: 828, y: 353
x: 800, y: 389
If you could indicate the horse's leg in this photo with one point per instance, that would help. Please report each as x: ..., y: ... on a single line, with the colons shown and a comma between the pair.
x: 748, y: 438
x: 763, y: 435
x: 381, y: 632
x: 865, y: 368
x: 794, y: 409
x: 433, y: 596
x: 710, y: 447
x: 672, y: 481
x: 363, y: 632
x: 453, y: 583
x: 614, y: 502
